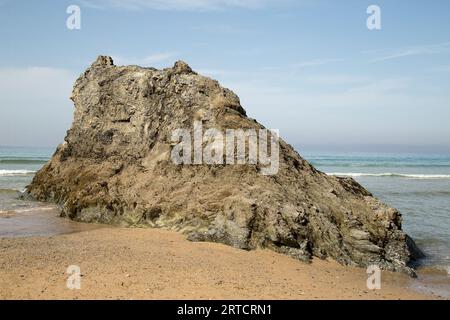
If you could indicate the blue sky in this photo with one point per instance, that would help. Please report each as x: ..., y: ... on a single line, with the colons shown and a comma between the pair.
x: 311, y: 69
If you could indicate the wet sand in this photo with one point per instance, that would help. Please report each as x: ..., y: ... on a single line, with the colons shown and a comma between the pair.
x: 40, y: 219
x: 123, y: 263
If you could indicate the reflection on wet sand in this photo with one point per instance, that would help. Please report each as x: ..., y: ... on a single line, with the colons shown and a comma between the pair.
x: 42, y: 220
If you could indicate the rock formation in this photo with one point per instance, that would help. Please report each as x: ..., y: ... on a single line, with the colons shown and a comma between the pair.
x: 115, y: 167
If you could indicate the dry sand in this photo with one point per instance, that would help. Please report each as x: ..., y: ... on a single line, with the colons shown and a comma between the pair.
x: 121, y: 263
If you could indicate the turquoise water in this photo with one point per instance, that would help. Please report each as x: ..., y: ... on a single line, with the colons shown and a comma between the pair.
x: 18, y: 165
x: 418, y: 185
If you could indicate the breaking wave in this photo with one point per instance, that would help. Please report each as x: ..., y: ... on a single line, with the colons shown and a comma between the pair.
x: 11, y: 173
x: 389, y: 175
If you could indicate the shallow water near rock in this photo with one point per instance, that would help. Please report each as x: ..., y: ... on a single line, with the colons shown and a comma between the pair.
x: 41, y: 220
x: 23, y: 218
x: 432, y: 281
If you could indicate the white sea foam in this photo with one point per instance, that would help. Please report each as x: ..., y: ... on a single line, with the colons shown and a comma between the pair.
x: 388, y: 174
x: 10, y: 173
x: 34, y: 209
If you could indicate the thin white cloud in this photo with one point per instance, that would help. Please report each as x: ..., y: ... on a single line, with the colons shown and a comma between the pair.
x: 194, y: 5
x: 227, y: 74
x: 389, y: 54
x: 335, y: 79
x: 383, y: 86
x: 270, y: 71
x: 283, y: 72
x: 314, y: 63
x: 220, y: 28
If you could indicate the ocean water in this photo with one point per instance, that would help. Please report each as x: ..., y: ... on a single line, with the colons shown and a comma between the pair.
x: 417, y: 185
x: 18, y: 164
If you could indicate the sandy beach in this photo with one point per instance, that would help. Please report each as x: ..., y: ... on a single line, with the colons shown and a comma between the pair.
x: 122, y: 263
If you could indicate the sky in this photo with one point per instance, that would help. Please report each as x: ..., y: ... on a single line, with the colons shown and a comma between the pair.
x: 311, y: 69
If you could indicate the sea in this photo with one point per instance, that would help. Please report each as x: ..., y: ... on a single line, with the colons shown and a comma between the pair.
x: 418, y: 185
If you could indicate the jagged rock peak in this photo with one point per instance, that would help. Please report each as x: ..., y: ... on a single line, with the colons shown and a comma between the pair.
x: 181, y: 67
x: 103, y: 61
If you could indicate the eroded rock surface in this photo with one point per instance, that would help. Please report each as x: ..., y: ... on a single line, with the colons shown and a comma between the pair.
x: 115, y: 167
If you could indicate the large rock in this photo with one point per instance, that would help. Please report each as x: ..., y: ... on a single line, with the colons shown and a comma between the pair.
x: 115, y: 167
